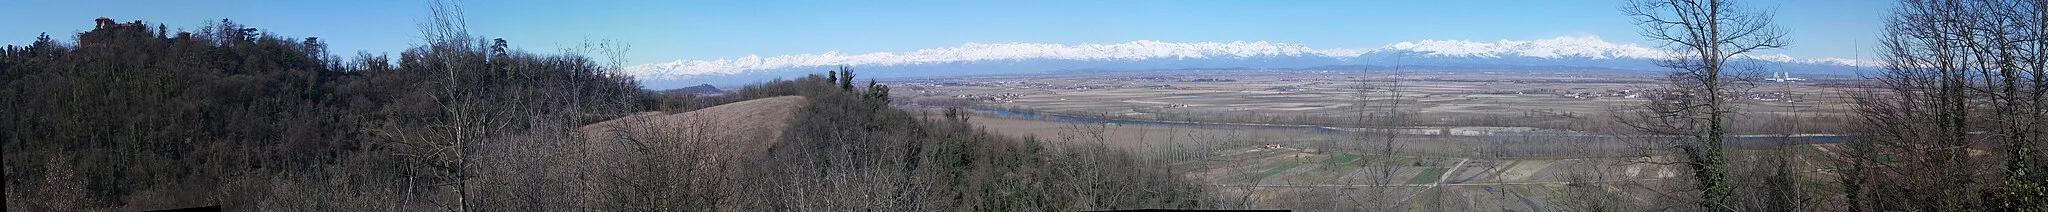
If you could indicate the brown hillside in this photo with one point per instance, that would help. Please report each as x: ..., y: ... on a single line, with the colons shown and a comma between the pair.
x: 683, y: 157
x: 725, y: 131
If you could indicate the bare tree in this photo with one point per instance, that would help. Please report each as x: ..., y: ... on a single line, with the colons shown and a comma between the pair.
x: 1958, y: 77
x: 465, y: 118
x: 1378, y: 141
x: 1705, y: 36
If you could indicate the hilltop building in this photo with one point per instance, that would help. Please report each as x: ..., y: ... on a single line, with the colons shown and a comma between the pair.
x: 106, y: 23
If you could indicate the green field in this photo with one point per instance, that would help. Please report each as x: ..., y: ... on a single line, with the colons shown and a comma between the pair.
x: 1270, y: 170
x: 1429, y: 175
x: 1339, y: 159
x: 1332, y: 167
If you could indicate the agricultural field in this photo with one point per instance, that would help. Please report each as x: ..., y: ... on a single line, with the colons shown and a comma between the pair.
x: 1530, y: 142
x: 1549, y: 100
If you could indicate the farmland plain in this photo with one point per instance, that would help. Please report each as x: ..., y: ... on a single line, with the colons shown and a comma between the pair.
x: 1351, y: 140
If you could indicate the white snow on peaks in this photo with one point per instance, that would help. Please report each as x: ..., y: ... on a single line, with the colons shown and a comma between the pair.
x: 1134, y: 50
x: 1570, y: 46
x: 1821, y: 60
x: 1559, y: 47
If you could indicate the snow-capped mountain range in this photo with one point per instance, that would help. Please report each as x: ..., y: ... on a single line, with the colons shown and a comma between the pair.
x: 1011, y: 58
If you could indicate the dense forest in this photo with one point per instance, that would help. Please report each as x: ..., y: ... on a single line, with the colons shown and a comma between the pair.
x: 135, y: 117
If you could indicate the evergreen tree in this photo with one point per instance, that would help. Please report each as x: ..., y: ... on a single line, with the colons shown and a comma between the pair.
x: 877, y: 92
x: 846, y: 77
x: 497, y: 47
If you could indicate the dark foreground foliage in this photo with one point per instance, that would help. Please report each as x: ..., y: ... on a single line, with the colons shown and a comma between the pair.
x: 879, y: 158
x: 132, y: 118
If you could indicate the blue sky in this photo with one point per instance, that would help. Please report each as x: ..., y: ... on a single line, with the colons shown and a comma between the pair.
x: 662, y: 31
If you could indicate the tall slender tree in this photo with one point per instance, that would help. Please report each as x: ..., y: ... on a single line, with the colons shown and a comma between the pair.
x: 846, y: 77
x: 1705, y: 36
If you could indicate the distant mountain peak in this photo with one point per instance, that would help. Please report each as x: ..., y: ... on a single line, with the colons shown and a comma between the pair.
x: 1574, y: 47
x: 1568, y: 46
x: 973, y: 52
